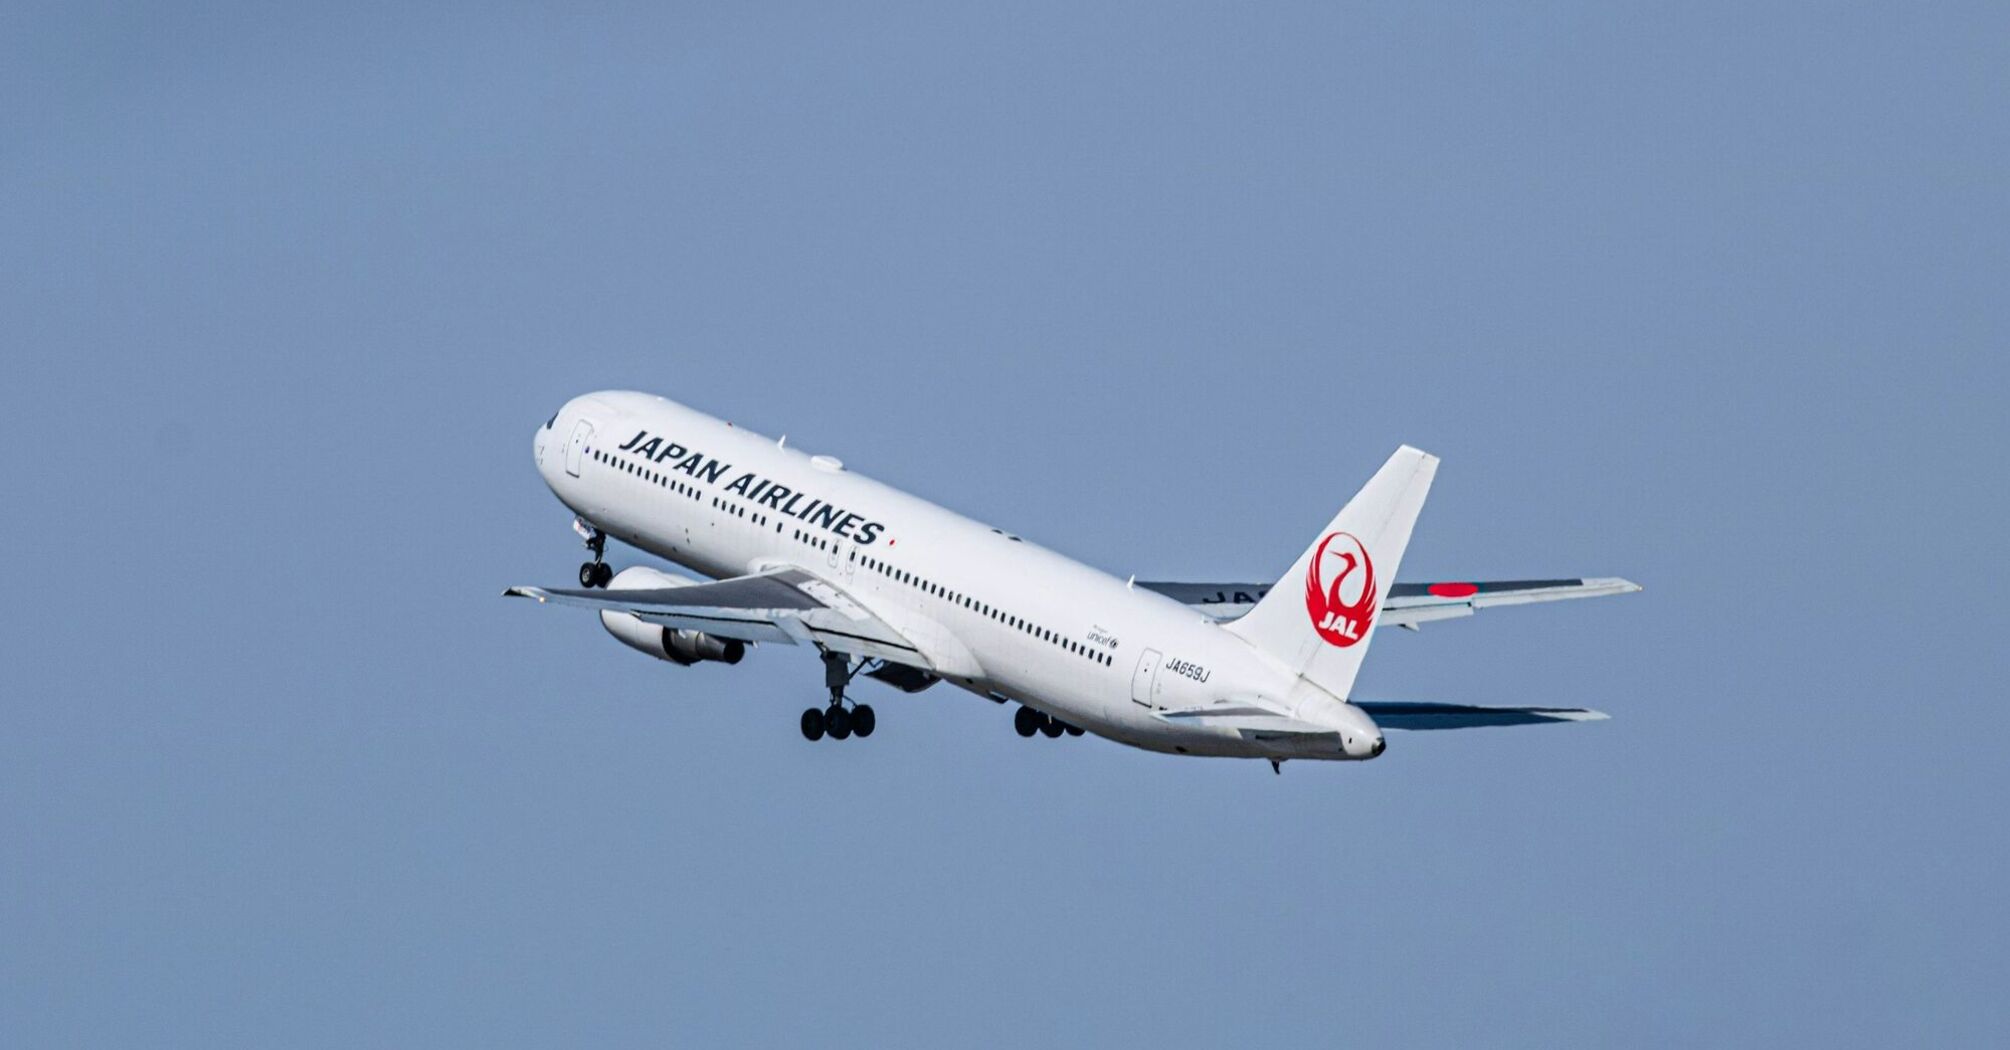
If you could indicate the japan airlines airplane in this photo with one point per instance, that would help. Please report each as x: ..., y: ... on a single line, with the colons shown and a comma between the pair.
x: 801, y: 551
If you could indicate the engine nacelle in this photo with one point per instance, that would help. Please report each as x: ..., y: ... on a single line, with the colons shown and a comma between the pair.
x: 664, y: 643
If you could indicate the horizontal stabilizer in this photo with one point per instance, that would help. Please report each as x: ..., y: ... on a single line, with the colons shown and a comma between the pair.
x: 1407, y: 604
x: 1444, y: 601
x: 1401, y: 715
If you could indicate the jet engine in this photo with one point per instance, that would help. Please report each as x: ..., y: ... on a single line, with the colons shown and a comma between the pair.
x: 664, y: 643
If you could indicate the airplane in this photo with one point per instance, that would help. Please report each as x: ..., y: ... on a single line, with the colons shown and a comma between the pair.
x: 798, y: 550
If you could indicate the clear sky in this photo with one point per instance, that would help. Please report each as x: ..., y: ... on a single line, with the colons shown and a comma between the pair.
x: 1707, y: 295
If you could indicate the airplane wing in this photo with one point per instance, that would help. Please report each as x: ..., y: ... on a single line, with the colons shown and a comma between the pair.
x: 1402, y: 715
x: 1408, y: 604
x: 790, y: 606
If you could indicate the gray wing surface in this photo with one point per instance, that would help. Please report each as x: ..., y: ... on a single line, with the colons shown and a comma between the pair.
x: 1402, y: 715
x: 789, y: 606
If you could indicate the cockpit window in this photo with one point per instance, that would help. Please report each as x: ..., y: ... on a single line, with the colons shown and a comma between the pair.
x: 549, y: 422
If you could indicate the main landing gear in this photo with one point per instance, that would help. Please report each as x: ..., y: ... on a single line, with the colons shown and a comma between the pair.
x: 595, y: 573
x: 836, y: 720
x: 1028, y: 721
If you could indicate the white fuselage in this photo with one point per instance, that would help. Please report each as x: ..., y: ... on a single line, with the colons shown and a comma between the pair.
x: 997, y: 615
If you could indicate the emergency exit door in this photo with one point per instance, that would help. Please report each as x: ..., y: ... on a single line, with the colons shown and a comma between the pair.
x: 1145, y: 678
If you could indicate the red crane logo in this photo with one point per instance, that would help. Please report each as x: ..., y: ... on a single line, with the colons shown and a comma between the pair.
x: 1341, y: 566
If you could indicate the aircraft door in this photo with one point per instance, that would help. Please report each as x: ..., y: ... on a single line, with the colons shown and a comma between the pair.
x: 1145, y: 678
x: 575, y: 449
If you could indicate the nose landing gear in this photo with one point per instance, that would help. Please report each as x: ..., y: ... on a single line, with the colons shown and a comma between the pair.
x: 595, y: 573
x: 836, y: 720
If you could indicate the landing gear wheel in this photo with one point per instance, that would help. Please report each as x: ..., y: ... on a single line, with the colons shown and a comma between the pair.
x: 837, y: 722
x: 1051, y: 728
x: 813, y: 724
x: 862, y: 720
x: 1073, y: 729
x: 1026, y: 721
x: 594, y: 573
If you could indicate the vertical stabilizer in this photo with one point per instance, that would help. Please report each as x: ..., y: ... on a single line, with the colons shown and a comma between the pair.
x: 1321, y: 616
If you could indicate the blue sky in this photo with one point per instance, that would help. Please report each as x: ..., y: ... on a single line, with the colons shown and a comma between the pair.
x: 1705, y: 295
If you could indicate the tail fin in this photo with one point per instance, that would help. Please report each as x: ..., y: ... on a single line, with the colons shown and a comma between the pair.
x: 1319, y: 619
